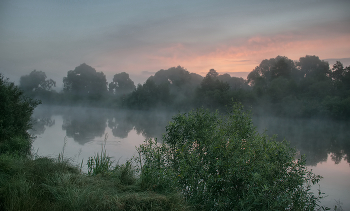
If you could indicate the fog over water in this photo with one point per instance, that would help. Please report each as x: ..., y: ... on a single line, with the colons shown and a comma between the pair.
x: 325, y: 143
x: 289, y: 61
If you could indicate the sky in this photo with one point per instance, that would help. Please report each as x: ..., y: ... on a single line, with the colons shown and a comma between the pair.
x: 141, y: 37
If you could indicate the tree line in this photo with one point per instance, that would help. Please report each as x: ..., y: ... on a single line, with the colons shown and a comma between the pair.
x: 193, y: 168
x: 308, y: 87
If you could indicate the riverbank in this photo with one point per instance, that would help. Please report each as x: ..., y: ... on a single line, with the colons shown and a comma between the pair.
x: 41, y: 183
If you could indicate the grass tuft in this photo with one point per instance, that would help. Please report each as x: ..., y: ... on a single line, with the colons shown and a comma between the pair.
x: 48, y: 184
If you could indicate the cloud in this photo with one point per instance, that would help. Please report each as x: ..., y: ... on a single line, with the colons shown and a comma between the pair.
x: 237, y: 74
x: 145, y: 72
x: 143, y: 38
x: 345, y: 61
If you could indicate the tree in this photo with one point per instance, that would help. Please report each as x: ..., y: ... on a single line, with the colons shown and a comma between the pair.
x: 148, y: 96
x: 15, y: 116
x: 270, y: 69
x: 178, y: 78
x: 235, y: 83
x: 220, y: 162
x: 85, y: 81
x: 36, y: 81
x: 121, y: 84
x: 212, y: 92
x: 338, y: 71
x: 313, y: 68
x: 182, y: 84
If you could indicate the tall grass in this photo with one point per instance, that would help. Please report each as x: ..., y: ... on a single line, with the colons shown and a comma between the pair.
x: 61, y: 154
x: 101, y: 163
x: 46, y: 184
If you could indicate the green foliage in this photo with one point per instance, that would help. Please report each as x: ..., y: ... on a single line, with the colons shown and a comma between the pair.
x: 36, y: 86
x: 212, y: 93
x: 182, y: 85
x: 85, y: 81
x: 121, y: 84
x: 149, y: 95
x: 277, y: 86
x: 46, y: 184
x: 100, y: 163
x: 36, y: 81
x: 234, y: 82
x: 16, y: 145
x: 222, y: 163
x: 125, y: 173
x: 300, y: 89
x: 313, y: 67
x: 153, y: 159
x: 15, y: 114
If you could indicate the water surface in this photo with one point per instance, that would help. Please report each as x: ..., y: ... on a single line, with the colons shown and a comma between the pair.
x: 79, y: 133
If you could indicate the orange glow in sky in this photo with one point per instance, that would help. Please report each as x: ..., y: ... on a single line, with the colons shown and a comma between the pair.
x: 141, y: 38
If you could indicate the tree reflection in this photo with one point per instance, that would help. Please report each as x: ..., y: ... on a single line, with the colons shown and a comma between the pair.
x: 84, y: 126
x: 40, y: 123
x: 314, y: 138
x: 40, y: 120
x: 120, y: 125
x: 149, y: 124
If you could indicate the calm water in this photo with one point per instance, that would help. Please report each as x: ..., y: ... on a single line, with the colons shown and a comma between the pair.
x: 79, y: 133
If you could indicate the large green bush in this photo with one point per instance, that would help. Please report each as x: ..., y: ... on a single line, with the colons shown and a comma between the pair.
x: 220, y: 162
x: 15, y: 114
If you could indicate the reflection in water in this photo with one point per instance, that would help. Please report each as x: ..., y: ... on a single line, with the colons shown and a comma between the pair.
x: 149, y: 124
x: 40, y: 123
x: 41, y: 120
x: 84, y: 125
x: 120, y: 124
x: 314, y: 138
x: 326, y: 143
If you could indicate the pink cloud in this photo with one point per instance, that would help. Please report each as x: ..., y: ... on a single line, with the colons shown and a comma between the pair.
x: 235, y: 55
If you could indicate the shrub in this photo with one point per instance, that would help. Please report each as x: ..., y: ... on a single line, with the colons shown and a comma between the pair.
x: 220, y: 162
x: 15, y: 114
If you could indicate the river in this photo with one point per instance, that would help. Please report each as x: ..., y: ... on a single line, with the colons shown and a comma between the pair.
x: 79, y: 133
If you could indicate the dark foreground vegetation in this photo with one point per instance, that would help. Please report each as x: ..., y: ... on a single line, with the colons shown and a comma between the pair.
x: 281, y: 87
x: 208, y: 161
x: 28, y: 182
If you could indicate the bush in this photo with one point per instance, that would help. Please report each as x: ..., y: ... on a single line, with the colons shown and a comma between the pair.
x: 15, y: 114
x: 16, y: 146
x: 222, y: 163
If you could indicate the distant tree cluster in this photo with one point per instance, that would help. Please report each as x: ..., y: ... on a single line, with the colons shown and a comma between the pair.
x: 85, y: 81
x: 280, y: 86
x: 305, y: 88
x: 121, y: 84
x: 174, y: 87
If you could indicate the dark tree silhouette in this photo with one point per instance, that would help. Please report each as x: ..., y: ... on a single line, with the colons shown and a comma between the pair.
x: 312, y: 67
x: 148, y: 96
x: 182, y: 84
x: 36, y: 81
x: 212, y: 92
x: 85, y: 81
x: 121, y: 84
x: 235, y: 83
x: 15, y: 115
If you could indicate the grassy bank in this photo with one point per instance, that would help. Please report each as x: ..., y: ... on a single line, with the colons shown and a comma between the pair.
x: 29, y: 183
x: 50, y: 184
